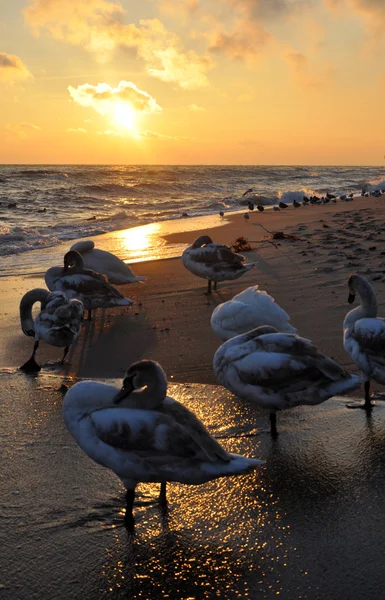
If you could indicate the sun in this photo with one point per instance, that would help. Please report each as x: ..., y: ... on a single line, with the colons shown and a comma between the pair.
x: 125, y: 116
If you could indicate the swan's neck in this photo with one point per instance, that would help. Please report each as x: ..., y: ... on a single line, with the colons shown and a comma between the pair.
x: 368, y: 308
x: 26, y: 304
x: 149, y: 397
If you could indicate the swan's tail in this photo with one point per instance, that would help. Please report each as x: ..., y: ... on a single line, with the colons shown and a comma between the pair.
x: 238, y: 465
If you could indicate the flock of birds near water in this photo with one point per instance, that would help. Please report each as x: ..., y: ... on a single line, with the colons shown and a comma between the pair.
x: 306, y: 200
x: 142, y: 434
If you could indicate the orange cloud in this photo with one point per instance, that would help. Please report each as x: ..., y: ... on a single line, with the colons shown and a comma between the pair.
x: 98, y: 26
x: 22, y: 130
x: 12, y: 68
x: 161, y: 136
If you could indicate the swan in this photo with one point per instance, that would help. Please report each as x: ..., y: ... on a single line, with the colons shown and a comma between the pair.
x: 116, y: 271
x: 214, y: 262
x: 91, y: 287
x: 141, y: 434
x: 249, y: 309
x: 364, y: 335
x: 279, y: 370
x: 58, y: 323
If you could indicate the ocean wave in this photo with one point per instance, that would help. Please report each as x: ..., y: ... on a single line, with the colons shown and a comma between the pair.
x: 39, y: 173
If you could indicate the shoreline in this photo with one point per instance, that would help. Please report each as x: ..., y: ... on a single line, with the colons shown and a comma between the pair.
x: 170, y: 320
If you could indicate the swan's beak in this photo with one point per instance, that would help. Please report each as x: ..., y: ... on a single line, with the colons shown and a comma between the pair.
x: 351, y: 298
x: 126, y: 390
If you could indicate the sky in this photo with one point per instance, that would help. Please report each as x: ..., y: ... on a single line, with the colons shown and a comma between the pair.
x: 192, y: 82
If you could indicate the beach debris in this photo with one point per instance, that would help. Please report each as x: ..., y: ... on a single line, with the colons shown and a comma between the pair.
x: 184, y: 214
x: 241, y: 245
x: 246, y: 216
x: 280, y: 235
x: 12, y: 205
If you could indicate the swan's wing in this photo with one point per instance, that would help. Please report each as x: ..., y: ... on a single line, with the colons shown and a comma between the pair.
x: 262, y: 300
x: 232, y: 318
x: 184, y: 417
x: 206, y: 254
x: 83, y: 283
x: 152, y: 434
x: 370, y: 335
x: 230, y: 257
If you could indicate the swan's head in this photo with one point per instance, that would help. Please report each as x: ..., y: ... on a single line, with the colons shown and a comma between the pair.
x: 358, y: 285
x: 71, y: 259
x: 201, y: 241
x: 142, y: 374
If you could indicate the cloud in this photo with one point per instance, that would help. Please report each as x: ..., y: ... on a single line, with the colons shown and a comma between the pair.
x: 196, y: 108
x: 306, y: 74
x: 98, y: 26
x: 104, y: 99
x: 110, y: 132
x: 153, y: 135
x: 76, y: 130
x: 245, y: 42
x: 22, y: 130
x: 12, y: 68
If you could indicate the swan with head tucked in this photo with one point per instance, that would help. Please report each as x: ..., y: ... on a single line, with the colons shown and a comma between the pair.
x: 58, y: 323
x: 214, y: 262
x: 143, y: 435
x: 91, y: 287
x: 249, y: 309
x: 116, y: 271
x: 364, y: 335
x: 279, y: 371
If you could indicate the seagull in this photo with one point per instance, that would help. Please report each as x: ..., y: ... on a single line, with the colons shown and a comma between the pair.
x: 221, y: 213
x: 250, y: 205
x: 214, y: 262
x: 116, y: 271
x: 364, y: 335
x: 296, y: 204
x: 143, y: 435
x: 276, y: 208
x: 58, y: 322
x: 260, y: 208
x: 246, y: 216
x: 283, y: 205
x: 92, y: 288
x: 278, y: 371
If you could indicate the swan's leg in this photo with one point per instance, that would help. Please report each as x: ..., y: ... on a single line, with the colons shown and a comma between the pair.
x: 89, y: 317
x: 209, y: 287
x: 367, y: 404
x: 273, y: 423
x: 31, y: 365
x: 129, y: 517
x: 65, y: 354
x: 215, y: 285
x: 162, y: 495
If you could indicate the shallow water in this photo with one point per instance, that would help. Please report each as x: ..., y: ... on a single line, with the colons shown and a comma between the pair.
x: 308, y: 525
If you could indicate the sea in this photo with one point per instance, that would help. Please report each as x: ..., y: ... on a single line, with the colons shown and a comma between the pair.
x: 43, y: 206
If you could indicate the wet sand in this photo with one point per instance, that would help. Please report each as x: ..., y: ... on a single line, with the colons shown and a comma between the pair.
x: 308, y: 525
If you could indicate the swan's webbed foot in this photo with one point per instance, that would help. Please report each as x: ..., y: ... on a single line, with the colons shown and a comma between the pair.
x: 368, y: 404
x: 208, y: 288
x: 30, y: 366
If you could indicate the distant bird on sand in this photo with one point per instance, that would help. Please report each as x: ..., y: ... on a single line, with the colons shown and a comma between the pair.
x: 91, y: 287
x: 260, y: 208
x: 276, y: 208
x: 214, y: 262
x: 296, y: 204
x: 250, y: 205
x: 246, y: 216
x: 283, y: 205
x: 116, y: 271
x: 143, y: 435
x: 279, y: 370
x: 330, y: 196
x: 58, y: 323
x: 221, y: 213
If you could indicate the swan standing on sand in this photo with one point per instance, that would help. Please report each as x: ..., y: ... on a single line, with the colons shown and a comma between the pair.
x: 143, y: 435
x: 214, y: 262
x: 248, y: 310
x: 58, y: 323
x: 116, y: 271
x: 364, y: 335
x: 279, y: 370
x: 91, y: 287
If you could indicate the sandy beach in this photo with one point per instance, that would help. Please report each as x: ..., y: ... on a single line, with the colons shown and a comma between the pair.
x: 308, y: 525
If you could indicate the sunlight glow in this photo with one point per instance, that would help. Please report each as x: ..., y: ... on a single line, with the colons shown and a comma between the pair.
x: 125, y: 116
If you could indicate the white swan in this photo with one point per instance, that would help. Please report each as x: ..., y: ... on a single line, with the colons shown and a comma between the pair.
x: 249, y: 309
x: 92, y: 288
x: 58, y: 323
x: 214, y: 262
x: 364, y: 335
x: 279, y: 370
x: 116, y: 271
x: 143, y: 435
